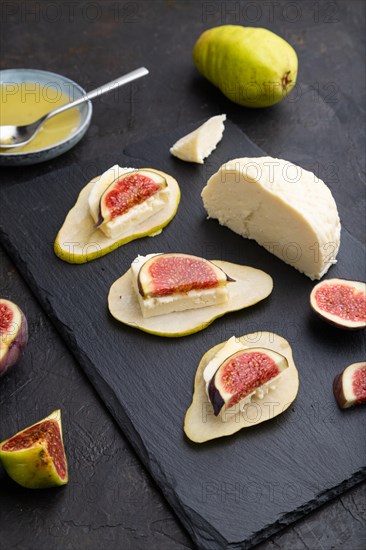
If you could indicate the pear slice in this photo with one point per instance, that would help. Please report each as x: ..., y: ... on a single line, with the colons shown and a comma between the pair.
x: 201, y: 424
x: 199, y: 144
x: 79, y: 241
x: 250, y: 286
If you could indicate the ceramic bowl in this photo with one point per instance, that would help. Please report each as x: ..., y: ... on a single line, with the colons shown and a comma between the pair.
x: 67, y: 86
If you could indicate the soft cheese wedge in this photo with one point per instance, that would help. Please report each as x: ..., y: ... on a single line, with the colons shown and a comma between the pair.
x: 280, y: 205
x: 199, y: 144
x: 81, y: 240
x: 203, y: 423
x: 194, y: 306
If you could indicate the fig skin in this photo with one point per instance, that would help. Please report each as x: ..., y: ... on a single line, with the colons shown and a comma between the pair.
x: 12, y: 350
x: 104, y: 215
x: 346, y: 401
x: 33, y: 467
x: 220, y: 396
x: 333, y: 319
x: 220, y: 274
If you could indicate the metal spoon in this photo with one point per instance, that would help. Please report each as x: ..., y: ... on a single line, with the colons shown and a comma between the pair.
x: 17, y: 136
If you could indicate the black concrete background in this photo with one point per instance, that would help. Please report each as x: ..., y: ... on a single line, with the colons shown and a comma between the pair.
x: 94, y: 42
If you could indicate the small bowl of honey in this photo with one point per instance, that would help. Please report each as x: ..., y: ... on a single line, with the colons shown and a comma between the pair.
x: 28, y: 94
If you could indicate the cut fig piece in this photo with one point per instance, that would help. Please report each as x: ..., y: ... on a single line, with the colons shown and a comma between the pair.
x: 128, y: 191
x: 78, y: 241
x: 250, y: 286
x: 35, y: 457
x: 13, y: 334
x: 340, y: 302
x: 349, y: 386
x: 243, y: 374
x: 101, y: 183
x: 167, y: 274
x: 201, y: 424
x: 177, y: 282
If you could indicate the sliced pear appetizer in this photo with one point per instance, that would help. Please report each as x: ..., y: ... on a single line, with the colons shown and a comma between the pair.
x: 179, y: 294
x: 121, y: 205
x: 241, y: 383
x: 199, y: 144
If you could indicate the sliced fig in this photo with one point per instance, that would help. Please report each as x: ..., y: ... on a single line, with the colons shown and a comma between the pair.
x: 201, y: 424
x: 243, y: 374
x: 349, y: 386
x: 128, y: 191
x: 250, y: 286
x: 35, y: 457
x: 167, y: 274
x: 78, y: 241
x: 13, y: 334
x: 340, y: 302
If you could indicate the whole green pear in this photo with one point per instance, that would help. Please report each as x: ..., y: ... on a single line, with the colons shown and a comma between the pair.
x: 251, y: 66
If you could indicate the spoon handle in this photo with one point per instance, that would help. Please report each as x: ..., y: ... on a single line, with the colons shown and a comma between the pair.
x: 125, y: 79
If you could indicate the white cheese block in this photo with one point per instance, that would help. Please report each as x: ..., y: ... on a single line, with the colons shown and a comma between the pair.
x: 200, y: 143
x: 175, y: 302
x: 135, y: 215
x: 283, y: 207
x: 233, y: 345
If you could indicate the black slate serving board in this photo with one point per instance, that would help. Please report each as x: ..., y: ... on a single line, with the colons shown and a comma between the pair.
x: 229, y: 493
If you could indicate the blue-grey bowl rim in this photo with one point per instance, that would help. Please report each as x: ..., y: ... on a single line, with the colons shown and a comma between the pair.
x: 80, y: 129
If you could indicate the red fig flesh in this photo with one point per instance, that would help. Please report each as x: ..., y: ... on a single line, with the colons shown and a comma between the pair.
x: 340, y: 302
x: 349, y: 386
x: 35, y: 457
x: 242, y: 374
x: 128, y: 191
x: 13, y: 334
x: 167, y: 274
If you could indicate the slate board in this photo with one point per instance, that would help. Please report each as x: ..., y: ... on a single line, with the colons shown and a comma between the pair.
x: 229, y: 493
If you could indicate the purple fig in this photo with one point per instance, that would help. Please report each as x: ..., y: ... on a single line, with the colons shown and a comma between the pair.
x: 340, y: 302
x: 166, y: 274
x: 242, y: 374
x: 128, y: 191
x: 349, y: 386
x: 13, y: 334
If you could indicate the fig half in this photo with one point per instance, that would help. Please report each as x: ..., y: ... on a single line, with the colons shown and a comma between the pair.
x: 340, y: 302
x: 128, y: 191
x: 35, y: 457
x: 349, y: 386
x: 166, y: 274
x: 201, y: 424
x: 248, y: 287
x: 243, y: 374
x: 79, y: 241
x: 13, y: 334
